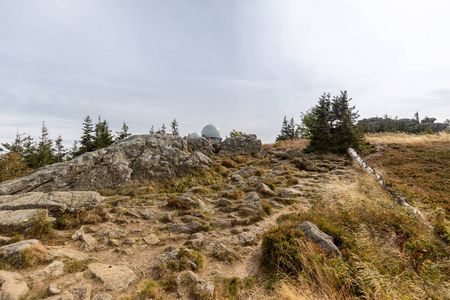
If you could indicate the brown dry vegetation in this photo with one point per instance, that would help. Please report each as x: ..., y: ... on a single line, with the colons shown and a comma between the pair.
x: 407, y: 138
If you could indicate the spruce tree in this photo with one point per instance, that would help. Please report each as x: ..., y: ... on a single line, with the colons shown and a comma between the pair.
x: 174, y: 127
x: 330, y: 125
x: 284, y: 134
x: 103, y: 137
x: 124, y: 133
x: 45, y: 148
x: 60, y: 152
x: 87, y: 138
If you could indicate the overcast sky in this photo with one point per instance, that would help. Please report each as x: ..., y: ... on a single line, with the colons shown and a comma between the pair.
x: 240, y: 64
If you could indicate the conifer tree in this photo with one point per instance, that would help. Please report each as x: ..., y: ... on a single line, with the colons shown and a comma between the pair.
x: 174, y: 127
x: 124, y: 133
x: 60, y: 152
x: 45, y: 149
x: 103, y: 137
x: 284, y: 134
x: 87, y: 138
x: 330, y: 125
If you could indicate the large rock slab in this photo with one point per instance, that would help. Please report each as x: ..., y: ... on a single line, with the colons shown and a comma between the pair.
x: 56, y: 202
x: 247, y: 143
x: 138, y: 158
x: 12, y: 286
x: 13, y: 252
x: 54, y: 269
x: 115, y: 278
x: 319, y: 237
x: 11, y: 220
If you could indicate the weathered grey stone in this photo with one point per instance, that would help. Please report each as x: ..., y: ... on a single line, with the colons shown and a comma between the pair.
x: 288, y: 192
x: 252, y: 197
x: 204, y: 290
x: 55, y: 202
x: 148, y: 213
x: 319, y: 237
x: 200, y: 144
x: 246, y: 238
x: 139, y: 158
x: 64, y: 296
x: 55, y: 252
x: 224, y: 202
x: 53, y: 290
x: 115, y: 278
x: 227, y: 223
x: 103, y: 296
x: 151, y: 239
x: 11, y: 220
x: 112, y: 233
x: 54, y: 269
x: 264, y: 189
x: 14, y: 251
x: 4, y: 240
x: 246, y: 172
x: 190, y: 227
x: 81, y: 291
x: 240, y: 144
x: 12, y: 286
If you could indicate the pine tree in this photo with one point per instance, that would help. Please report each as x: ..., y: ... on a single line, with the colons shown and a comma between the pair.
x: 124, y: 133
x: 87, y: 138
x: 45, y: 149
x: 152, y: 130
x: 103, y: 137
x: 284, y: 134
x: 59, y: 150
x: 162, y: 130
x: 174, y: 127
x: 74, y: 151
x: 330, y: 125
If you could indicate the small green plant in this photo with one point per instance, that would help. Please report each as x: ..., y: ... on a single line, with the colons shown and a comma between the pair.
x: 149, y: 289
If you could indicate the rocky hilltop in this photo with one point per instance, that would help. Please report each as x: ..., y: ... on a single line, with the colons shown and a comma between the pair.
x: 186, y: 233
x: 139, y: 158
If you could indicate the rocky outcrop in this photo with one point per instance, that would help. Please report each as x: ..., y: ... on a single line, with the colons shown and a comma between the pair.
x: 11, y: 220
x: 115, y: 278
x: 12, y: 286
x: 55, y: 202
x: 247, y: 143
x: 319, y: 237
x: 138, y: 158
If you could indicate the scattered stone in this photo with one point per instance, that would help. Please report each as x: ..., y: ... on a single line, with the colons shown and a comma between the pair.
x: 264, y: 189
x: 235, y: 231
x: 276, y: 204
x: 13, y: 252
x: 252, y: 197
x: 170, y: 255
x: 53, y: 290
x: 112, y: 233
x: 319, y: 237
x: 64, y: 296
x: 246, y: 238
x: 227, y: 223
x: 54, y: 269
x: 89, y: 242
x: 148, y: 214
x: 4, y: 240
x: 204, y: 290
x: 103, y: 296
x: 247, y: 143
x: 115, y: 278
x: 288, y: 192
x: 12, y: 286
x: 190, y: 227
x: 18, y: 220
x: 113, y: 242
x: 81, y: 291
x: 152, y: 239
x: 224, y: 202
x: 236, y: 178
x: 132, y: 214
x: 246, y: 172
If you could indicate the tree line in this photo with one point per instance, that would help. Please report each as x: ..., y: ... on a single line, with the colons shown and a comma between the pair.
x: 26, y: 153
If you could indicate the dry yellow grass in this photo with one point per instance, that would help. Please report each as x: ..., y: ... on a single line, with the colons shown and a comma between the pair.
x: 407, y: 138
x: 289, y: 144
